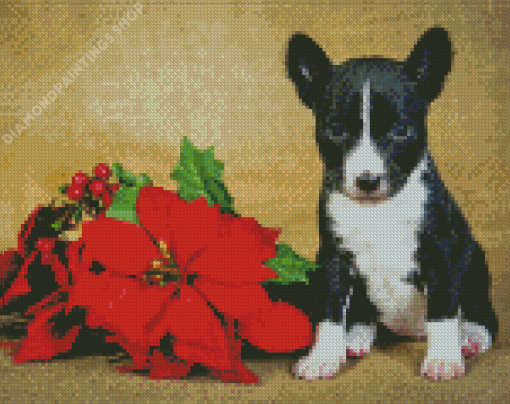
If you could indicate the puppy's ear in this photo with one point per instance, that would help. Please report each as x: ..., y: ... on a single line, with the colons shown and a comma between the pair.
x: 309, y: 68
x: 430, y: 62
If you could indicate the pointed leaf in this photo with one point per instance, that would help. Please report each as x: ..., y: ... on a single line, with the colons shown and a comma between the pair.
x: 289, y: 266
x: 199, y: 174
x: 123, y: 205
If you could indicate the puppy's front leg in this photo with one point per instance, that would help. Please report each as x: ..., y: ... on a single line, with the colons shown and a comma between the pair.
x: 444, y: 359
x: 328, y: 353
x: 330, y: 349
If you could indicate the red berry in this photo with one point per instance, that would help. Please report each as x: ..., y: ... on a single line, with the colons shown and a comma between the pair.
x: 45, y: 244
x: 97, y: 187
x: 75, y: 192
x: 102, y: 170
x: 80, y: 178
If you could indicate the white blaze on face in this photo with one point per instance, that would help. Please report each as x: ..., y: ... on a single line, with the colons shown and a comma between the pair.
x: 364, y: 158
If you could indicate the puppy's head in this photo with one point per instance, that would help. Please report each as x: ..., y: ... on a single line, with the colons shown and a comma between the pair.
x: 371, y: 112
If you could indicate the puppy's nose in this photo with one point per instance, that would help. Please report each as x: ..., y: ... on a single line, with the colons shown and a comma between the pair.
x: 368, y: 182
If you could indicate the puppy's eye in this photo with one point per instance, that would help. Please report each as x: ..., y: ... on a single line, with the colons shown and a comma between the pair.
x: 402, y: 132
x: 305, y: 72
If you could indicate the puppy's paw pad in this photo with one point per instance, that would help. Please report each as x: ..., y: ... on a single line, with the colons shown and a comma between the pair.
x: 360, y: 339
x: 438, y: 369
x: 472, y: 348
x: 475, y: 339
x: 313, y: 367
x: 357, y: 352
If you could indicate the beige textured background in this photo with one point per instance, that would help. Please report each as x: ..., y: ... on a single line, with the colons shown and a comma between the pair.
x: 215, y: 73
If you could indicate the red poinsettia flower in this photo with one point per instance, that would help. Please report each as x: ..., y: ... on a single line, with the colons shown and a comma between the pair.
x: 218, y: 263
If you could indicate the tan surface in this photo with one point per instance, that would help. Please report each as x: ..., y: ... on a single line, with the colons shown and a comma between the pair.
x: 215, y: 73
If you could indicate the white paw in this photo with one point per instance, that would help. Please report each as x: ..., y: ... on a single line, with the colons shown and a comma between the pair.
x: 475, y: 339
x: 444, y: 358
x: 360, y: 339
x: 316, y: 366
x: 326, y: 356
x: 442, y: 369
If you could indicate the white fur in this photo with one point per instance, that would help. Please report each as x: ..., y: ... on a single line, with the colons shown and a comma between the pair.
x: 328, y: 353
x: 444, y: 351
x: 383, y: 238
x: 473, y: 334
x: 364, y: 157
x: 330, y: 349
x: 360, y: 338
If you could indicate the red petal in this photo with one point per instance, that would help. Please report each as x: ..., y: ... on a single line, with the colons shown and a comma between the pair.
x: 39, y: 343
x: 61, y: 274
x: 200, y: 338
x: 262, y: 238
x: 236, y: 373
x: 213, y: 265
x: 141, y: 358
x: 199, y: 335
x: 186, y: 227
x: 121, y: 305
x: 162, y: 367
x: 39, y: 306
x: 275, y: 327
x: 223, y: 247
x: 122, y: 247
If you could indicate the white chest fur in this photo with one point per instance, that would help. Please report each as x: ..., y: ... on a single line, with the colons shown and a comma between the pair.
x: 383, y: 239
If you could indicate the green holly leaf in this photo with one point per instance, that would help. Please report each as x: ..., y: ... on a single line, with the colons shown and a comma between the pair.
x: 199, y: 174
x: 289, y: 266
x: 123, y: 205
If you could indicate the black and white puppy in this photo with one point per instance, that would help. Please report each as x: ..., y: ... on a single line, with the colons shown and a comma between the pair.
x: 395, y: 248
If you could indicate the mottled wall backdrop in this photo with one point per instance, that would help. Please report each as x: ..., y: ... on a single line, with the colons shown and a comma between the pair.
x: 102, y: 89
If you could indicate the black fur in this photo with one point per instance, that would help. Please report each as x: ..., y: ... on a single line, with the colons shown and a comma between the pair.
x: 452, y: 263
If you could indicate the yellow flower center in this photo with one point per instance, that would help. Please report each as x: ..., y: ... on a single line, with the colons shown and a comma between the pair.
x: 164, y: 270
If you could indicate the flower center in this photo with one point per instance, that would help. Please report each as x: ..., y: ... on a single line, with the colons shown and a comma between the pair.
x: 164, y: 270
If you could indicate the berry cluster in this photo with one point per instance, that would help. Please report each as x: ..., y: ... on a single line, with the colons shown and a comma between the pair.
x: 97, y: 187
x: 85, y: 198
